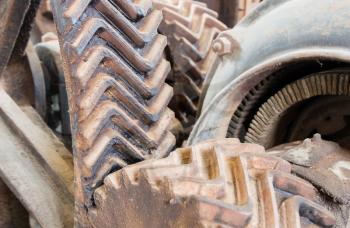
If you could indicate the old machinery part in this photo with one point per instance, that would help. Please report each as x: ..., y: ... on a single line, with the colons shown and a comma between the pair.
x: 23, y: 79
x: 265, y: 63
x: 268, y: 87
x: 12, y: 14
x: 57, y: 111
x: 231, y: 11
x: 114, y: 74
x: 190, y: 27
x: 20, y: 71
x: 243, y: 114
x: 38, y: 77
x: 35, y: 165
x: 219, y: 183
x: 327, y: 115
x: 21, y: 76
x: 274, y: 123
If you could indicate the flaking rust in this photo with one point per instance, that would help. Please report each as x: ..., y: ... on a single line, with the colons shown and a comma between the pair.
x: 115, y: 75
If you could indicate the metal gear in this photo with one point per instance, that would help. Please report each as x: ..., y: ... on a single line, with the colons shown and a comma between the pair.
x: 266, y: 125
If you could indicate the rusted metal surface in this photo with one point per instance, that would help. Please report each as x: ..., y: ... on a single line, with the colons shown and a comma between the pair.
x: 115, y: 82
x: 20, y: 71
x: 324, y: 164
x: 214, y: 184
x: 277, y: 47
x: 190, y: 27
x: 35, y: 165
x: 268, y: 127
x: 12, y: 14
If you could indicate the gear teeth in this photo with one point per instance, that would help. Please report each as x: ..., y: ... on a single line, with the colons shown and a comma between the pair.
x: 116, y: 75
x: 216, y: 184
x: 238, y: 119
x: 271, y: 111
x: 190, y: 27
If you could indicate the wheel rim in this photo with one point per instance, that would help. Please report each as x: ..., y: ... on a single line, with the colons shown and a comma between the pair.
x: 292, y: 108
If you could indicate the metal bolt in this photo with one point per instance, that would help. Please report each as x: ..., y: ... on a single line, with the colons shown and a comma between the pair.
x: 223, y: 45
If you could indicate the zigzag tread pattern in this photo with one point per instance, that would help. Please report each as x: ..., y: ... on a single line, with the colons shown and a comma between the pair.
x: 117, y: 79
x: 190, y: 27
x: 212, y: 184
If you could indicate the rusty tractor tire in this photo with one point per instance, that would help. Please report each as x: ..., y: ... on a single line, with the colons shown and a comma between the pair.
x: 115, y: 78
x: 191, y: 28
x: 212, y: 184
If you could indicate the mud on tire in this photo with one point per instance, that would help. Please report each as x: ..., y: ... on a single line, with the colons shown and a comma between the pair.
x: 222, y: 183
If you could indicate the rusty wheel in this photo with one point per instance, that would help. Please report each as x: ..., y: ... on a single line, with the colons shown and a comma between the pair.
x: 191, y: 28
x: 317, y: 103
x: 218, y: 183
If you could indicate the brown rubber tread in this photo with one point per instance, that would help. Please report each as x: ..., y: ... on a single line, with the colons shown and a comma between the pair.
x: 212, y: 184
x: 115, y: 74
x: 190, y: 27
